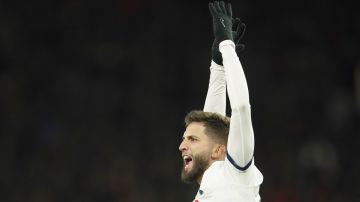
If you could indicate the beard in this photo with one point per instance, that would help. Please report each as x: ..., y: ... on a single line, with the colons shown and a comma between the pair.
x: 200, y: 164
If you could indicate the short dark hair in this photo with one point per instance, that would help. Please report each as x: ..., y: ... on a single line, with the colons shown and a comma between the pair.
x: 216, y: 125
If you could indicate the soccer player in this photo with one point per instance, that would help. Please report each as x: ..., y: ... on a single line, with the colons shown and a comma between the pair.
x: 217, y: 151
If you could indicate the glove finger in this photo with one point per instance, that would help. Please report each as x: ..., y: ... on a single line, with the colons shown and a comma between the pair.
x: 241, y: 30
x: 239, y: 48
x: 236, y: 22
x: 217, y: 7
x: 237, y: 32
x: 222, y: 7
x: 235, y: 36
x: 229, y: 9
x: 212, y: 10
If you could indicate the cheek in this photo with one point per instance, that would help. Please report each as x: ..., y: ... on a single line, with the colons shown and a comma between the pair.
x: 201, y: 147
x: 202, y: 150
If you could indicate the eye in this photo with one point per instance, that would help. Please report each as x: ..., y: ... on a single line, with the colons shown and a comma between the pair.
x: 192, y: 139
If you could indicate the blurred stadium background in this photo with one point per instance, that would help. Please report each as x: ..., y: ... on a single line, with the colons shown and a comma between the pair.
x: 93, y: 95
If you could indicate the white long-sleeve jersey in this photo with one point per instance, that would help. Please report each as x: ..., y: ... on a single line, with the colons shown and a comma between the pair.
x: 236, y: 179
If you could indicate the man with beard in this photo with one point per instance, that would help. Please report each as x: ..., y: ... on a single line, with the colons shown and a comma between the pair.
x: 217, y: 150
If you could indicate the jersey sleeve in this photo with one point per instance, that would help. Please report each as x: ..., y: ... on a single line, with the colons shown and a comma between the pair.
x: 240, y: 146
x: 216, y: 96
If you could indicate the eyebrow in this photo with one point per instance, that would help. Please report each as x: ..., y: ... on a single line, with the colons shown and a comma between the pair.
x: 192, y: 136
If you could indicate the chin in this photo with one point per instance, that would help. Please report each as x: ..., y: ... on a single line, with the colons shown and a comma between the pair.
x: 194, y: 171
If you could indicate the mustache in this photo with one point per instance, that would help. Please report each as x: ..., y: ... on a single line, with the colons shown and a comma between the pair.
x: 200, y: 164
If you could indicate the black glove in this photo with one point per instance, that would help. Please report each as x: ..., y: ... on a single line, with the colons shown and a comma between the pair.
x: 237, y: 36
x: 222, y: 20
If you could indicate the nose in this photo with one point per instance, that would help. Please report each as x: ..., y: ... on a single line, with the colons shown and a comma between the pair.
x: 182, y: 146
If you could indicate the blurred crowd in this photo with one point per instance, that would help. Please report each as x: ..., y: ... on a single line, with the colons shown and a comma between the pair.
x: 93, y: 96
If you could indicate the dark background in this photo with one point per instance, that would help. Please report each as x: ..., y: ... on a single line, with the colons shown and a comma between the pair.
x: 93, y: 96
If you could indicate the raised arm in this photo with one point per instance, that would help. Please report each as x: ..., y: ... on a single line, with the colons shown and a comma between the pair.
x: 240, y: 146
x: 216, y: 95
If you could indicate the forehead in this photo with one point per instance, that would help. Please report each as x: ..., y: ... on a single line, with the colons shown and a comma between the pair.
x: 195, y: 129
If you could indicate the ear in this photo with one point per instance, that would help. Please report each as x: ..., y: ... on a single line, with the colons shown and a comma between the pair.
x: 218, y: 152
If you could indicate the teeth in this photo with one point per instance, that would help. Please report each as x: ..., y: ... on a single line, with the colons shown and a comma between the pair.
x: 186, y: 157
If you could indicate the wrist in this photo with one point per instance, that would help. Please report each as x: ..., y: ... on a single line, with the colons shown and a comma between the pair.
x: 217, y: 58
x: 226, y: 42
x: 215, y: 66
x: 221, y: 38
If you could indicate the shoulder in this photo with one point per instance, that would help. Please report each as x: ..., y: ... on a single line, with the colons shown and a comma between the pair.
x: 249, y: 177
x: 223, y: 182
x: 223, y: 172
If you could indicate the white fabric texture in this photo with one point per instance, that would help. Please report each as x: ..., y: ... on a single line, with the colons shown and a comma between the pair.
x: 223, y: 181
x: 216, y: 95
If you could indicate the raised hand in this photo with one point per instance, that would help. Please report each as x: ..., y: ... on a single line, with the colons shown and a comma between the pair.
x: 237, y: 33
x: 222, y: 20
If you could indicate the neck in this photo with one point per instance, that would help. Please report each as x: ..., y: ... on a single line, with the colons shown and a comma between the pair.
x: 199, y: 179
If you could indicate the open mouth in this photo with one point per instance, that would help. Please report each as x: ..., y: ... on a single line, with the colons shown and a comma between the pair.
x: 187, y: 161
